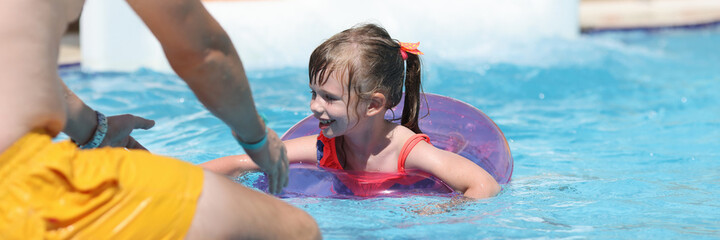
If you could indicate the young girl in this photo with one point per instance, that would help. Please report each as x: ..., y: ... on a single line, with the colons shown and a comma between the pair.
x: 355, y: 77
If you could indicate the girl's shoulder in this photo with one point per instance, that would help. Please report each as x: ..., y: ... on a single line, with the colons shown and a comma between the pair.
x: 401, y: 133
x: 421, y: 154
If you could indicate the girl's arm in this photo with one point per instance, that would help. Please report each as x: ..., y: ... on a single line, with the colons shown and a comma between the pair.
x: 460, y: 173
x: 300, y: 149
x: 231, y: 166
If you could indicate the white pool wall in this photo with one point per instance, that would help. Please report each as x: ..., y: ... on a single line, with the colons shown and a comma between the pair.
x: 282, y: 33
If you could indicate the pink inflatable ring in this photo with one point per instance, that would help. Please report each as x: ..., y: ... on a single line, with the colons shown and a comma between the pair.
x: 451, y: 124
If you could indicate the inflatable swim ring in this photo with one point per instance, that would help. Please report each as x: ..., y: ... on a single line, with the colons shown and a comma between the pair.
x: 451, y: 124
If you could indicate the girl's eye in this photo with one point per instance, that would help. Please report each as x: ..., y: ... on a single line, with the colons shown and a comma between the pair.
x: 313, y: 93
x: 330, y: 98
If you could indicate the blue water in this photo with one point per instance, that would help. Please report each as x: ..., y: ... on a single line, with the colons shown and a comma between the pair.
x: 614, y: 136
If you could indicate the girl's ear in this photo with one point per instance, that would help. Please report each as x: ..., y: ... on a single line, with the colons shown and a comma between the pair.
x: 377, y: 104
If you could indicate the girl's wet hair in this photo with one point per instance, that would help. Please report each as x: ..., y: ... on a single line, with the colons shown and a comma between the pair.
x: 373, y: 63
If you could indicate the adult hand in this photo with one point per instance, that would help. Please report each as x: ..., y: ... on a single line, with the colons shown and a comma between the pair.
x: 272, y: 159
x: 120, y: 127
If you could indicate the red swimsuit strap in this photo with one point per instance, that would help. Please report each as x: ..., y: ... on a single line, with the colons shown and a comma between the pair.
x: 326, y: 153
x: 409, y: 145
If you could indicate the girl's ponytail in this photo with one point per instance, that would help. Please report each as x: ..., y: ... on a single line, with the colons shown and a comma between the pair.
x: 411, y: 108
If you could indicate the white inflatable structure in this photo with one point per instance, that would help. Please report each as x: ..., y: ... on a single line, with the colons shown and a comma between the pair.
x: 283, y: 33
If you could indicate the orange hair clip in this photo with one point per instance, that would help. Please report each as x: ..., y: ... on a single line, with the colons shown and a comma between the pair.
x: 409, y: 48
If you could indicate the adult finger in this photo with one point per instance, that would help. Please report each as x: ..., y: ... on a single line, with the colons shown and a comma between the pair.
x: 272, y: 182
x: 279, y: 178
x: 277, y: 188
x: 133, y: 144
x: 142, y: 123
x: 286, y: 169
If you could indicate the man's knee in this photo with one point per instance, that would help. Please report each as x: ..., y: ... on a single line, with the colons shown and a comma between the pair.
x: 305, y: 226
x: 230, y: 210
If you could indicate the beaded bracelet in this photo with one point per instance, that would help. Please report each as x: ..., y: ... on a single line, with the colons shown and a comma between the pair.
x: 100, y: 132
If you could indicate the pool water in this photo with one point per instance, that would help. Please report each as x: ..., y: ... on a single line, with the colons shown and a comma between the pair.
x: 614, y: 136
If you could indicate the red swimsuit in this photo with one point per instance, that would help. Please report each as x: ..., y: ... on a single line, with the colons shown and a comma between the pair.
x: 368, y: 183
x: 327, y: 157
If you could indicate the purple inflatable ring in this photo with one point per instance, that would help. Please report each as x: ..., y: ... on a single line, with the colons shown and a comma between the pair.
x: 451, y: 124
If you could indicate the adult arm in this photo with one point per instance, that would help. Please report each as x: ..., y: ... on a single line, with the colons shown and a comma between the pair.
x: 201, y: 53
x: 458, y: 172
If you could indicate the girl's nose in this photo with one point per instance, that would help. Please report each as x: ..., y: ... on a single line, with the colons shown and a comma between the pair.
x: 315, y: 106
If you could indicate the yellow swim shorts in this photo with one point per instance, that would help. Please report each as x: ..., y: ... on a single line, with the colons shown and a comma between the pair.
x: 57, y: 191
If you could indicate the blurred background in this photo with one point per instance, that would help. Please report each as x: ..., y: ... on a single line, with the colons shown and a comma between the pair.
x: 268, y: 33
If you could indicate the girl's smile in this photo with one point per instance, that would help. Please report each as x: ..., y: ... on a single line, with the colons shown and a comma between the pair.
x: 325, y: 123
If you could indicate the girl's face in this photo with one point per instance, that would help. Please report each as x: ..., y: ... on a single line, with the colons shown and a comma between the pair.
x: 330, y: 103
